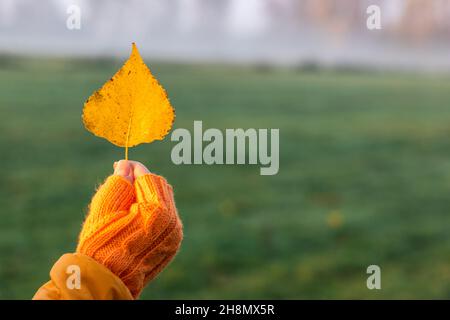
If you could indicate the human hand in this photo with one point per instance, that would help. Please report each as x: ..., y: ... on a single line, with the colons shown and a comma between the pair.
x: 133, y: 227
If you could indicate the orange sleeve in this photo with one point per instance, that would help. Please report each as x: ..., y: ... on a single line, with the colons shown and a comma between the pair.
x: 111, y: 201
x: 131, y: 233
x: 79, y: 277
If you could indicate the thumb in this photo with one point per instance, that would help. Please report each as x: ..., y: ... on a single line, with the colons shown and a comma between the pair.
x: 124, y: 169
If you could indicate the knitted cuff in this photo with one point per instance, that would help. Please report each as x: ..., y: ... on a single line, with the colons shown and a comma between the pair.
x: 115, y: 194
x: 154, y: 189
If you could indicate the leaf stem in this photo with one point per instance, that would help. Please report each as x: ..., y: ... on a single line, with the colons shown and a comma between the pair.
x: 128, y: 138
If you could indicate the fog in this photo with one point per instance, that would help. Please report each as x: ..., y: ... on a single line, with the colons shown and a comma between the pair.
x: 415, y: 34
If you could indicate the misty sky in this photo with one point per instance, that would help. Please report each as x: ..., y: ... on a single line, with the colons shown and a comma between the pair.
x: 273, y: 31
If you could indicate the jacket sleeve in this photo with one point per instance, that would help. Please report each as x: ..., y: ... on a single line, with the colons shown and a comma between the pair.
x: 79, y: 277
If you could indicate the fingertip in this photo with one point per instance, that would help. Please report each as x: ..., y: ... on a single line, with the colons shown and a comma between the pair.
x: 139, y: 170
x: 124, y: 169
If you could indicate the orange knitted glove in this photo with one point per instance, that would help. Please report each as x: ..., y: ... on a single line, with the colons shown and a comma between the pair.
x: 132, y: 228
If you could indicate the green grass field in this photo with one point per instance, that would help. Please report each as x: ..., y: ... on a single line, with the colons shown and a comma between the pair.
x: 364, y: 179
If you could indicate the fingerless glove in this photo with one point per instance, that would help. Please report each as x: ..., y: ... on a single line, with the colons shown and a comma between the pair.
x: 133, y: 230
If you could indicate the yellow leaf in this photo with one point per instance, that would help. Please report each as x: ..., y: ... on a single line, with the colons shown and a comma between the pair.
x: 131, y: 108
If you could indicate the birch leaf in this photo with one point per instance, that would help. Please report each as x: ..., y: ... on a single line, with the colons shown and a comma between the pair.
x: 131, y: 108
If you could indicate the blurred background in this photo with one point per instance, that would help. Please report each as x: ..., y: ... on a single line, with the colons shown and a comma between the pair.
x: 364, y: 121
